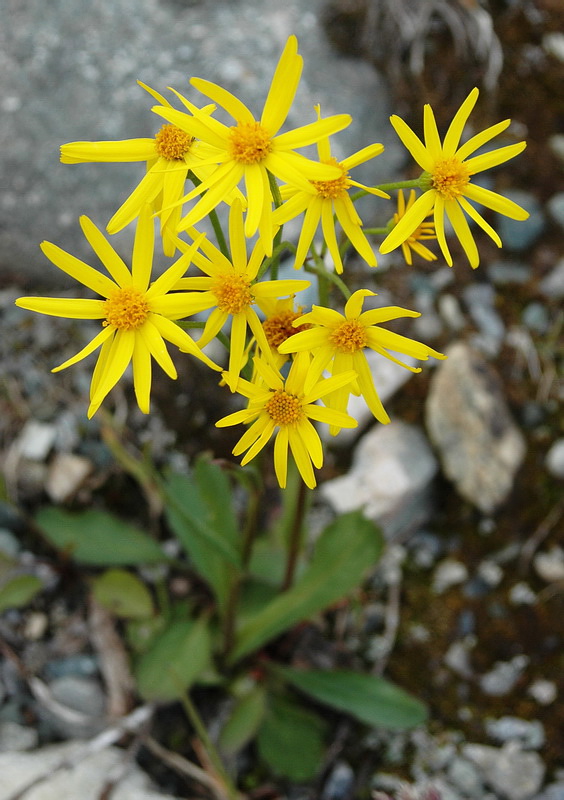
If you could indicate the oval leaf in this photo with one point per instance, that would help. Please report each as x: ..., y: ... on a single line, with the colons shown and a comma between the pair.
x: 97, y: 538
x: 371, y: 699
x: 175, y: 660
x: 344, y: 551
x: 19, y: 591
x: 290, y: 740
x: 123, y: 594
x: 243, y: 722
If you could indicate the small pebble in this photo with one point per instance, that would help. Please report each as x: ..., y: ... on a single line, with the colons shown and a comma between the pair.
x: 552, y: 285
x: 16, y: 738
x: 543, y: 691
x: 554, y: 460
x: 449, y: 573
x: 521, y: 594
x: 529, y: 733
x: 549, y: 565
x: 500, y: 680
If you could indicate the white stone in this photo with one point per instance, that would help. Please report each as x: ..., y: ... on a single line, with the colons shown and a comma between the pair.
x: 391, y: 473
x: 501, y: 679
x: 66, y: 474
x: 553, y: 44
x: 543, y: 691
x: 549, y: 565
x: 521, y: 594
x: 555, y: 459
x: 512, y: 772
x: 86, y: 780
x: 448, y: 573
x: 36, y: 440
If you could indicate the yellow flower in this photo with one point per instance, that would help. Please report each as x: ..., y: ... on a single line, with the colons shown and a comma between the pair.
x: 321, y: 200
x: 278, y: 325
x: 287, y: 407
x: 136, y: 318
x: 447, y: 180
x: 230, y: 288
x: 337, y: 341
x: 425, y: 230
x: 169, y: 156
x: 251, y: 149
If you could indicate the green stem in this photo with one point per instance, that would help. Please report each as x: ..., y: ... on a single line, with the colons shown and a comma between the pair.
x: 277, y: 198
x: 296, y: 534
x: 328, y: 277
x: 213, y: 755
x: 214, y: 219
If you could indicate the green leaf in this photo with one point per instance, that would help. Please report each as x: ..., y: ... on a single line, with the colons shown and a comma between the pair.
x: 97, y: 538
x: 19, y: 591
x: 244, y: 721
x: 199, y: 509
x: 123, y: 594
x: 174, y: 661
x: 371, y: 699
x: 290, y: 740
x: 344, y: 551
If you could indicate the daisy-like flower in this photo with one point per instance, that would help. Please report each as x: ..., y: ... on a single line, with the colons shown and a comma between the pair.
x: 321, y: 200
x: 137, y: 318
x: 287, y: 407
x: 425, y: 230
x: 169, y: 156
x: 230, y: 288
x: 337, y: 341
x: 281, y: 321
x: 251, y: 149
x: 447, y: 180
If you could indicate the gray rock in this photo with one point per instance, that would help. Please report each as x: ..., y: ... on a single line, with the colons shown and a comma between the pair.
x: 87, y: 780
x: 549, y: 564
x: 467, y: 418
x: 501, y: 679
x: 554, y: 460
x: 465, y: 777
x: 515, y: 774
x: 9, y: 544
x: 528, y: 733
x: 79, y: 706
x: 67, y: 472
x: 17, y: 738
x: 536, y: 317
x: 556, y: 144
x: 555, y: 791
x: 339, y: 783
x: 449, y: 573
x: 69, y: 72
x: 480, y: 299
x: 543, y: 691
x: 521, y: 594
x: 503, y: 273
x: 390, y: 479
x: 518, y: 235
x: 556, y: 208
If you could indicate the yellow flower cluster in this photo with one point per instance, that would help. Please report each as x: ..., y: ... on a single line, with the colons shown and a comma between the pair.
x: 257, y: 170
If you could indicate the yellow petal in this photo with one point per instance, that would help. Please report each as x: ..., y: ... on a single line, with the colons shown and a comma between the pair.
x: 480, y: 139
x: 141, y: 362
x: 432, y: 139
x: 94, y: 344
x: 456, y: 127
x: 122, y: 151
x: 282, y: 88
x: 462, y: 231
x: 78, y: 270
x: 413, y: 143
x: 281, y: 456
x: 494, y: 157
x: 309, y: 134
x: 495, y: 201
x: 117, y: 361
x: 106, y: 253
x: 408, y: 223
x: 225, y: 99
x: 143, y: 247
x: 64, y: 307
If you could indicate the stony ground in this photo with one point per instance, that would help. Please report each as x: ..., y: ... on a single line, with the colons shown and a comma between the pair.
x: 466, y: 609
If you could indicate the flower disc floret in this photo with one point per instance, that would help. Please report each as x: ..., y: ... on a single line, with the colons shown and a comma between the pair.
x: 349, y: 337
x: 173, y: 143
x: 280, y: 327
x: 126, y: 309
x: 331, y: 190
x: 250, y: 142
x: 450, y: 177
x: 284, y: 408
x: 233, y: 293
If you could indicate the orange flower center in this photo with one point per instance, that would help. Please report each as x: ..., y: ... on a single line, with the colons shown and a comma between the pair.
x: 127, y: 309
x: 349, y: 337
x: 284, y: 408
x: 450, y: 177
x: 279, y: 327
x: 173, y: 143
x: 250, y: 142
x: 233, y: 293
x: 331, y: 190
